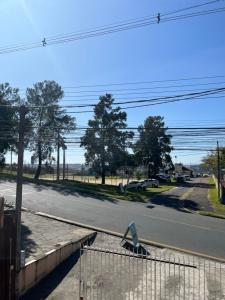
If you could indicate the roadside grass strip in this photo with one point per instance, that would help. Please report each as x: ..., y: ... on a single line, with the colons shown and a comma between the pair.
x: 219, y: 208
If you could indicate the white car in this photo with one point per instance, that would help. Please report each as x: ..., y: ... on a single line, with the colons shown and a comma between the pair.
x: 150, y: 183
x: 133, y: 185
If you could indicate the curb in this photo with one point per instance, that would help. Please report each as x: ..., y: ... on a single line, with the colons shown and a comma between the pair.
x: 118, y: 234
x: 208, y: 214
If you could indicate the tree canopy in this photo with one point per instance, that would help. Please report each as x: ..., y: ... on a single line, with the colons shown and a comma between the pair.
x: 8, y: 119
x: 210, y: 161
x: 49, y: 122
x: 106, y: 139
x: 153, y: 146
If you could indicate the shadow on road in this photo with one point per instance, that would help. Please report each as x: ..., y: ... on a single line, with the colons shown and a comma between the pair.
x: 174, y: 202
x: 203, y: 185
x: 77, y: 191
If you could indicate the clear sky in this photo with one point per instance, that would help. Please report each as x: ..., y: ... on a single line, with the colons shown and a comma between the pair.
x: 179, y: 49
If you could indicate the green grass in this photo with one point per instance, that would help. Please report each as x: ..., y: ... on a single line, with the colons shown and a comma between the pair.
x: 218, y: 207
x: 111, y: 191
x: 99, y: 190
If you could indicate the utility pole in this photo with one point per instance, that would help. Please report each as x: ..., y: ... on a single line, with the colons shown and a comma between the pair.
x: 218, y: 169
x: 64, y: 161
x: 19, y: 188
x: 58, y: 155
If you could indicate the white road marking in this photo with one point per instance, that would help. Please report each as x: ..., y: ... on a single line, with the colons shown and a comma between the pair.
x: 186, y: 194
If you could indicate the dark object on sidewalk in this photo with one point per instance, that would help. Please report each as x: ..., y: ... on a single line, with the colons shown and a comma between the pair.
x: 140, y: 250
x: 135, y: 246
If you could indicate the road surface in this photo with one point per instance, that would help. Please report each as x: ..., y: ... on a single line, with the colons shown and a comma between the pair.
x: 160, y: 220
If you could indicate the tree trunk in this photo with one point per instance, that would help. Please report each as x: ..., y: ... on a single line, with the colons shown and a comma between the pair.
x: 103, y: 174
x: 149, y: 171
x: 38, y: 171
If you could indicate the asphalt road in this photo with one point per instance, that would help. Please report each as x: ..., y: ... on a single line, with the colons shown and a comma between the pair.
x: 160, y: 220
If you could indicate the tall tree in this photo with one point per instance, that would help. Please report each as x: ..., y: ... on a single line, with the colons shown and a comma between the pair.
x: 104, y: 141
x: 153, y: 146
x: 210, y: 161
x: 49, y: 121
x: 8, y: 119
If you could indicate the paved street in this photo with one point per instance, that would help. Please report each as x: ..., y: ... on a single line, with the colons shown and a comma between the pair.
x: 160, y: 220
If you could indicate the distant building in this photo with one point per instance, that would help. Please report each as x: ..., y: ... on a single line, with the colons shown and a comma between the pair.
x: 183, y: 170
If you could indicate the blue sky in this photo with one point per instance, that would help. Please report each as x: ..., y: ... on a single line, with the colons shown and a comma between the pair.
x: 180, y: 49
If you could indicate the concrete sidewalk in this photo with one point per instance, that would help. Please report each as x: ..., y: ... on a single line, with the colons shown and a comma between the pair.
x: 40, y: 234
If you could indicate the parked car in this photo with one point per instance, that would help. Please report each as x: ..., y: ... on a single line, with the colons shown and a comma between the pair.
x: 150, y: 183
x: 180, y: 178
x: 163, y: 177
x: 205, y: 175
x: 187, y: 177
x: 133, y: 185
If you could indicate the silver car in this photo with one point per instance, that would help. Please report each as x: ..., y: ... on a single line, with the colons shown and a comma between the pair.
x: 133, y: 185
x: 150, y: 183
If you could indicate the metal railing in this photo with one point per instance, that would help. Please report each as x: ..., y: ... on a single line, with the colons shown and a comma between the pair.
x: 121, y: 274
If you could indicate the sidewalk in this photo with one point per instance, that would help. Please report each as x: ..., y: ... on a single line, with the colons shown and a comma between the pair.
x: 40, y: 234
x: 116, y: 277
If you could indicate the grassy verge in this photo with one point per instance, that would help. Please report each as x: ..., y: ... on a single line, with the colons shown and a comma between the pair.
x: 113, y: 191
x: 218, y: 207
x: 99, y: 190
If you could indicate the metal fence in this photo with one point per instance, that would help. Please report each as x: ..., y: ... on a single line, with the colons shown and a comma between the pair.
x: 121, y: 274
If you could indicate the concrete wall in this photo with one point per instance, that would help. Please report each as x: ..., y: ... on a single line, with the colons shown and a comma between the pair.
x: 36, y: 270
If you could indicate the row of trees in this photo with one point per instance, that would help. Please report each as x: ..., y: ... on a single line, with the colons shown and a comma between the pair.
x: 107, y: 142
x: 109, y: 145
x: 46, y: 122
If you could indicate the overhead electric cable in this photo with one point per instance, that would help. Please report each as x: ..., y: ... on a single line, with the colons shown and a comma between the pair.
x: 142, y: 22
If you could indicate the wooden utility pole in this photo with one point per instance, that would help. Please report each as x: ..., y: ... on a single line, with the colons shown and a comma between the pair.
x: 58, y: 156
x: 19, y: 188
x: 218, y: 169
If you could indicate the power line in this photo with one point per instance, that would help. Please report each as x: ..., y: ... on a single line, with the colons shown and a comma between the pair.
x: 142, y: 22
x: 164, y: 99
x: 144, y: 82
